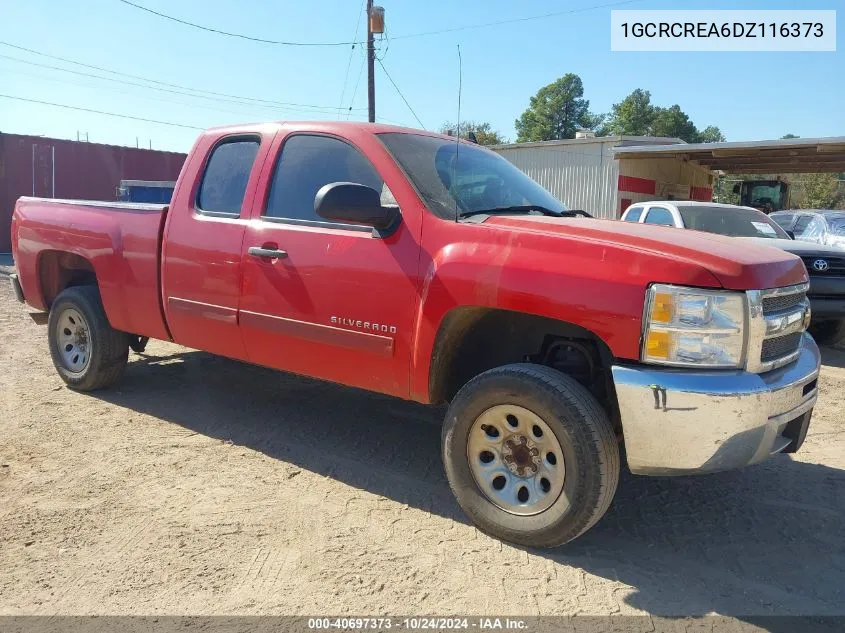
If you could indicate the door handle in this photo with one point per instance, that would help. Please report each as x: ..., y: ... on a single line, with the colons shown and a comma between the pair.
x: 271, y: 253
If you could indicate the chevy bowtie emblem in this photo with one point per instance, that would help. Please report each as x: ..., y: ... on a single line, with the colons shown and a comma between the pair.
x: 821, y: 265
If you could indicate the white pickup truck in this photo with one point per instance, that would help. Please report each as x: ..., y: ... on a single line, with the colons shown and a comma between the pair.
x: 825, y: 264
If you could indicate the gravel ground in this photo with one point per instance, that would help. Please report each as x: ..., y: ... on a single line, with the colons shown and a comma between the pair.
x: 200, y: 485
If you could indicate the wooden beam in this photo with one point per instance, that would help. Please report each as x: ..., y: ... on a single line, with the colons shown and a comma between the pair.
x: 783, y: 169
x: 798, y: 161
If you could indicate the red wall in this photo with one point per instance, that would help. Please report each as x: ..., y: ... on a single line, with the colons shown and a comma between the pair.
x: 84, y: 171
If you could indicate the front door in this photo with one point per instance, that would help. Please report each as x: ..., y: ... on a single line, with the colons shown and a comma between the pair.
x: 320, y: 298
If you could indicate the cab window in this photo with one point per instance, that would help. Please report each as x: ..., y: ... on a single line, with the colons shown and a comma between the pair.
x: 633, y: 214
x: 226, y: 176
x: 659, y: 215
x: 802, y: 224
x: 784, y: 220
x: 815, y: 230
x: 309, y: 162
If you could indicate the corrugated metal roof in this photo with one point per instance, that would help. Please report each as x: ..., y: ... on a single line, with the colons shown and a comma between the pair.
x: 618, y: 140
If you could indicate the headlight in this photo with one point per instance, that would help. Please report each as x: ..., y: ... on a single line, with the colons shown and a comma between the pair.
x: 689, y: 326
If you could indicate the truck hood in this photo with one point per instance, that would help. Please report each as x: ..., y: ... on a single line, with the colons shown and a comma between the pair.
x: 736, y: 264
x: 799, y: 247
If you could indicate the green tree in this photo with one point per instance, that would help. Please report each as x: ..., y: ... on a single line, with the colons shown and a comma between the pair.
x: 818, y: 191
x: 483, y: 132
x: 633, y: 116
x: 711, y: 134
x: 790, y: 136
x: 674, y: 122
x: 556, y: 111
x: 636, y: 115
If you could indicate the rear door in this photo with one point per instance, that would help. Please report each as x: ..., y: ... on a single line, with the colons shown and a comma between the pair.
x: 201, y: 256
x: 337, y: 301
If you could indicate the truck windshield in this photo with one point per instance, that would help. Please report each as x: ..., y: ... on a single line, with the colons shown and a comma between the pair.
x: 465, y: 180
x: 767, y: 194
x: 736, y: 222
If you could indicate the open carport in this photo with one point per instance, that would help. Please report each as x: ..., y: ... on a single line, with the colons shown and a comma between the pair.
x: 782, y: 156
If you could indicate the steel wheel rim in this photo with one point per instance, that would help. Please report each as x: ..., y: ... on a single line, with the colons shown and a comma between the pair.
x: 73, y: 339
x: 516, y: 460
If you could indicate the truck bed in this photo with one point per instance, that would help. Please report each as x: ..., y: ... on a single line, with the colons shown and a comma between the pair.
x: 121, y: 241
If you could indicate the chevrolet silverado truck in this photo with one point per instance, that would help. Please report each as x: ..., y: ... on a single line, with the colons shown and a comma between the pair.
x: 431, y: 269
x: 825, y: 264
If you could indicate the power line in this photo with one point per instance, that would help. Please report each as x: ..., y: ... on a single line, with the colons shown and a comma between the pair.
x: 482, y: 25
x: 230, y: 34
x: 485, y: 25
x: 114, y: 114
x: 357, y: 83
x: 400, y: 92
x: 257, y: 100
x: 310, y: 109
x: 123, y: 92
x: 162, y: 99
x: 349, y: 63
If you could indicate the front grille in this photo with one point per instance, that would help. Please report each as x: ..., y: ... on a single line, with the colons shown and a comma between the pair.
x: 835, y: 265
x: 782, y: 302
x: 778, y: 347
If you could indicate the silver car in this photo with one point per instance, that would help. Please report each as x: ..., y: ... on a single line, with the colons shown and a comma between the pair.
x: 821, y: 226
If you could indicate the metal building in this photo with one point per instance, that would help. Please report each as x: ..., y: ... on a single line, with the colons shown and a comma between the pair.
x: 585, y: 173
x: 57, y: 168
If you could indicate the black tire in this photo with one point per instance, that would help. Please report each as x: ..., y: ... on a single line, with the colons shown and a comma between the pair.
x: 828, y: 332
x: 581, y: 426
x: 109, y: 347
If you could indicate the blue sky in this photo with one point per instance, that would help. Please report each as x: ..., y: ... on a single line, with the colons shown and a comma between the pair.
x: 748, y: 95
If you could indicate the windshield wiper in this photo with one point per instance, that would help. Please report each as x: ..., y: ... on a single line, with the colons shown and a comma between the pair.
x: 521, y: 208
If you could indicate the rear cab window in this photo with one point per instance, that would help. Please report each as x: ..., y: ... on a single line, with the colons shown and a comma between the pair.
x: 226, y: 175
x: 633, y: 214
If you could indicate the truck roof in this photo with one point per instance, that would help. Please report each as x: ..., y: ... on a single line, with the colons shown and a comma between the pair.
x: 692, y: 203
x: 329, y: 126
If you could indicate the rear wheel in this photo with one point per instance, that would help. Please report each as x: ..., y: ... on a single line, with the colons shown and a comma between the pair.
x: 87, y: 352
x: 530, y: 455
x: 828, y: 332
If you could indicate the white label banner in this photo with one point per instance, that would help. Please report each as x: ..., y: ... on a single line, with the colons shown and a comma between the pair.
x: 723, y: 30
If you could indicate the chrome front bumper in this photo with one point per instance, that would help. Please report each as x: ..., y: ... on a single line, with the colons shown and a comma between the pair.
x: 677, y: 421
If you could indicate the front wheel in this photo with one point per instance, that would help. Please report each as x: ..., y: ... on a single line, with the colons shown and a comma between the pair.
x: 87, y: 352
x: 530, y: 455
x: 828, y: 332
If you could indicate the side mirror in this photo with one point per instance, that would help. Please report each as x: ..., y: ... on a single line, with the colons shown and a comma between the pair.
x: 791, y: 234
x: 354, y: 204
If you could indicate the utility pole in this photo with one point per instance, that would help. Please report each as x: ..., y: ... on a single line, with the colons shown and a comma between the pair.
x: 375, y: 24
x: 371, y: 64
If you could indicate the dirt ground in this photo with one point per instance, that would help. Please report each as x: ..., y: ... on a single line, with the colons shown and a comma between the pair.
x: 204, y: 486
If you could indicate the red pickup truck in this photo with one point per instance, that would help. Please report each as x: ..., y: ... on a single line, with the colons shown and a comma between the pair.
x: 416, y: 265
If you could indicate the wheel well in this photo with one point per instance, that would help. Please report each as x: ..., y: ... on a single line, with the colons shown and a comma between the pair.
x: 472, y: 340
x: 58, y: 270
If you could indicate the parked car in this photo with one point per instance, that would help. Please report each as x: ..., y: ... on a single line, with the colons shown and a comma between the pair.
x: 825, y: 264
x: 814, y: 225
x: 428, y: 268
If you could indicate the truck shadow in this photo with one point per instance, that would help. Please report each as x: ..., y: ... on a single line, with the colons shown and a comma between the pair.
x: 766, y: 540
x: 834, y: 356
